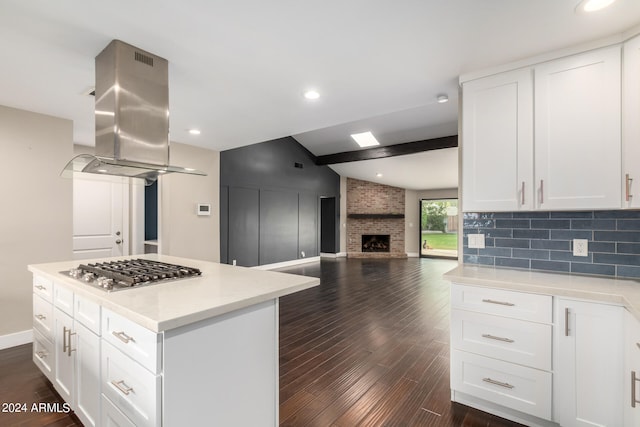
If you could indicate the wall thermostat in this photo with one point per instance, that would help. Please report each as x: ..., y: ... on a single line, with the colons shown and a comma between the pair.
x: 204, y: 209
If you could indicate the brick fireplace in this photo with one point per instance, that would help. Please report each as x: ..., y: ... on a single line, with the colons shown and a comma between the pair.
x: 374, y: 209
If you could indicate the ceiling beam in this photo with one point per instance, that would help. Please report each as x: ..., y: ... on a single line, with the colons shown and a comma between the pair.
x: 389, y: 151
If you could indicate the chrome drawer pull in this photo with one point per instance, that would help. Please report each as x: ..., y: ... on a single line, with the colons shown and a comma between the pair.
x: 493, y: 337
x: 638, y: 345
x: 41, y: 354
x: 123, y: 337
x: 124, y: 388
x: 634, y: 379
x: 494, y: 382
x: 40, y: 316
x: 490, y: 301
x: 40, y: 287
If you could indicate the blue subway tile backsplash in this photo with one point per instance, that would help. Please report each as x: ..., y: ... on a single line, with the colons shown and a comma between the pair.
x: 544, y: 241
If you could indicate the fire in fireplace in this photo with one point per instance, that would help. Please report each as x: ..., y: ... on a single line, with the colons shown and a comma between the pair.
x: 376, y: 243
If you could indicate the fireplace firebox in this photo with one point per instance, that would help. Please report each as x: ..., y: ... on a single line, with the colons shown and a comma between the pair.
x: 376, y: 243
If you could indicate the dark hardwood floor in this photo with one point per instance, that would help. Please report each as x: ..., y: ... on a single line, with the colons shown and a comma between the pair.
x: 368, y: 347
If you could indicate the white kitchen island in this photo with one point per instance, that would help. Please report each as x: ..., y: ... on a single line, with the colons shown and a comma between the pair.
x: 196, y: 351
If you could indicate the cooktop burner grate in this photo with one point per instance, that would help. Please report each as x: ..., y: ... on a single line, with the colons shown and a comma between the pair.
x: 124, y: 274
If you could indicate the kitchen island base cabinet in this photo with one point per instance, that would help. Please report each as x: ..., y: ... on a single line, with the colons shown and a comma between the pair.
x: 223, y: 371
x: 589, y: 374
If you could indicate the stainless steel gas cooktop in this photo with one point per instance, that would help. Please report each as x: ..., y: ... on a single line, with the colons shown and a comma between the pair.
x: 127, y: 274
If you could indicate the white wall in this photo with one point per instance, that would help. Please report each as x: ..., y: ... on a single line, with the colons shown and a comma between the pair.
x: 35, y: 206
x: 182, y: 232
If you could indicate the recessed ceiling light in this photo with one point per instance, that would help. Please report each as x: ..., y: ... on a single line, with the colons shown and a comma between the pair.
x: 443, y: 98
x: 194, y: 131
x: 379, y: 175
x: 593, y: 5
x: 365, y: 139
x: 312, y: 94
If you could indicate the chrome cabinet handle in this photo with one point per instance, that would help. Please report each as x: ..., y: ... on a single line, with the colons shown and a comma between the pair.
x: 638, y: 345
x: 566, y: 322
x: 40, y: 287
x: 627, y: 186
x: 66, y: 340
x: 122, y: 386
x: 123, y: 337
x: 634, y: 379
x: 541, y: 191
x: 522, y: 195
x: 491, y: 301
x: 40, y: 316
x: 41, y: 354
x: 493, y: 337
x: 494, y: 382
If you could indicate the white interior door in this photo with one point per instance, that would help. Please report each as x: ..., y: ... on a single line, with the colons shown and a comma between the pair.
x: 100, y: 217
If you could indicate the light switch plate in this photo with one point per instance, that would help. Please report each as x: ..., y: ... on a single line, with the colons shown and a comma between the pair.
x: 476, y: 241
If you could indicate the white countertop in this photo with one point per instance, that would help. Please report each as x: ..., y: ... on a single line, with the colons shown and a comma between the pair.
x: 624, y: 292
x: 221, y: 289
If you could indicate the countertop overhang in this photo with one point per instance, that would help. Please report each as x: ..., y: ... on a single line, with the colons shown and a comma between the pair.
x: 625, y: 292
x: 221, y: 289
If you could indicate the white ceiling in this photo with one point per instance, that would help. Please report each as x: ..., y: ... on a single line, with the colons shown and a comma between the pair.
x: 238, y: 68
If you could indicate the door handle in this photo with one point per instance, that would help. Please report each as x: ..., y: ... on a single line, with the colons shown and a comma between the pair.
x: 118, y: 241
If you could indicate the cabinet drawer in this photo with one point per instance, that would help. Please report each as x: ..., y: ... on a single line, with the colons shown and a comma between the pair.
x: 43, y: 317
x: 523, y: 389
x: 88, y: 313
x: 135, y: 391
x: 519, y: 305
x: 43, y: 287
x: 141, y: 344
x: 43, y: 354
x: 512, y: 340
x: 63, y: 299
x: 112, y: 417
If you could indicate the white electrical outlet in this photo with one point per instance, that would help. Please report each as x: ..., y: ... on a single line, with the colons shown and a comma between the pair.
x: 580, y: 247
x: 476, y: 241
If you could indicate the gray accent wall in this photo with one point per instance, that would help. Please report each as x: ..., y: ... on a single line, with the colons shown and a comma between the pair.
x: 270, y: 203
x: 544, y: 241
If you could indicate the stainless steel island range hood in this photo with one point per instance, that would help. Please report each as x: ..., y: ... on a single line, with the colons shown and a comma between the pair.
x: 132, y: 116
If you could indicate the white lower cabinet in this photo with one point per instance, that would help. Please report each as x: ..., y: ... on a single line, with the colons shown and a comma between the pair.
x: 501, y: 351
x: 64, y: 358
x: 134, y: 390
x: 589, y: 370
x: 87, y: 348
x: 543, y: 360
x: 67, y: 351
x: 631, y: 371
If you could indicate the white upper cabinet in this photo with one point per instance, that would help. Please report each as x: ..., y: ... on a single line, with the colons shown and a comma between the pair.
x: 498, y: 142
x: 577, y: 131
x: 546, y: 137
x: 631, y: 124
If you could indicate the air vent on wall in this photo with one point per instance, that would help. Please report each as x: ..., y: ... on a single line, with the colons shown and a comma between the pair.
x: 298, y: 165
x: 145, y: 59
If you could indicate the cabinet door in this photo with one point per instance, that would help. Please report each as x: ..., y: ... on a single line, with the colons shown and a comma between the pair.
x: 631, y: 124
x: 64, y: 358
x: 631, y: 371
x: 589, y: 370
x: 497, y: 144
x: 577, y: 128
x: 87, y: 348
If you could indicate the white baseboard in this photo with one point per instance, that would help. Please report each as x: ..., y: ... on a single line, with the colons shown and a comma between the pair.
x: 413, y: 255
x: 15, y: 339
x: 287, y: 263
x: 331, y: 255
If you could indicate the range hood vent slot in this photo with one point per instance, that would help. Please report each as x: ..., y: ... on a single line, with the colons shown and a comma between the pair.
x: 145, y: 59
x: 132, y: 116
